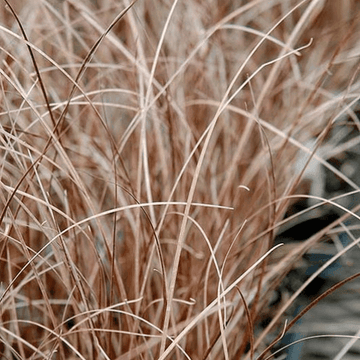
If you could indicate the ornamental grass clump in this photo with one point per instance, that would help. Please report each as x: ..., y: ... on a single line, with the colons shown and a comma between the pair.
x: 152, y: 154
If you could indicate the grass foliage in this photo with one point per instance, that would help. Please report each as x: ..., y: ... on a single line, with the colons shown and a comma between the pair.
x: 148, y: 157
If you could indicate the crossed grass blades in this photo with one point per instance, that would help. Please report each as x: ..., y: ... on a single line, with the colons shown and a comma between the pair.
x: 148, y: 158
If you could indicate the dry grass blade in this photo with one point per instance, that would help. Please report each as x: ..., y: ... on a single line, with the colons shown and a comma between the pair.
x: 304, y: 311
